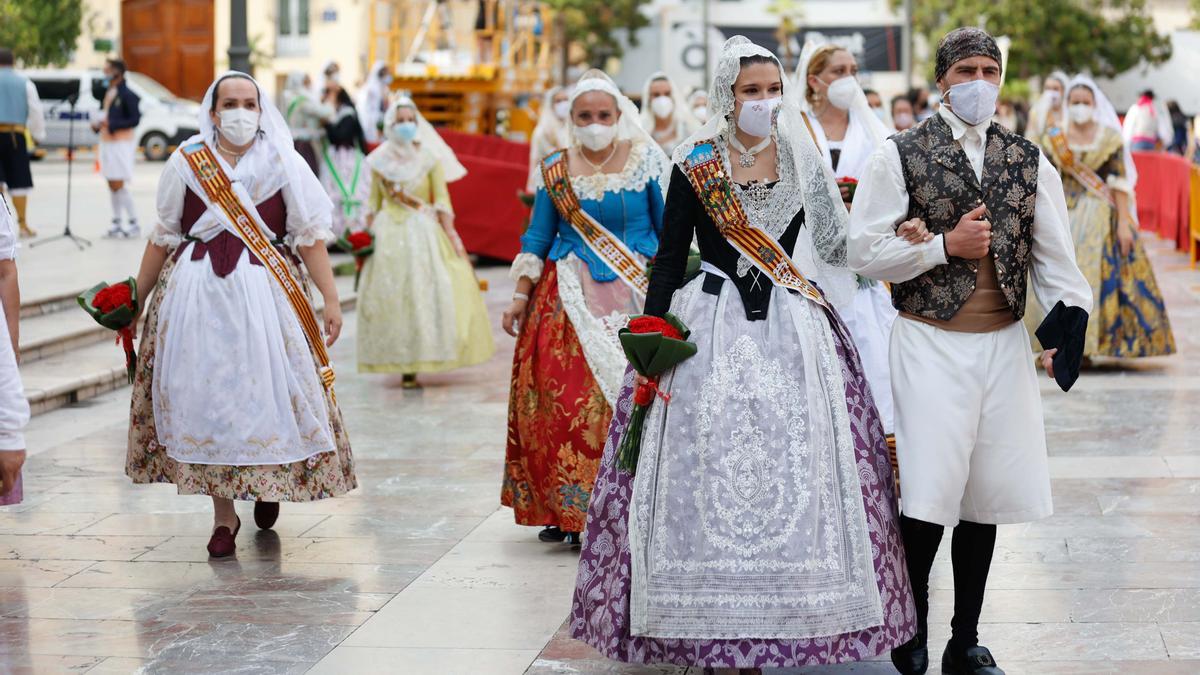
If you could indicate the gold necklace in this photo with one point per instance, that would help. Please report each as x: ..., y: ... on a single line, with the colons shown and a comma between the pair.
x: 599, y: 168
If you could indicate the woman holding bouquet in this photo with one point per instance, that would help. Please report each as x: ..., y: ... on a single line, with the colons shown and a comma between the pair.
x: 847, y: 133
x: 420, y: 309
x: 760, y: 528
x: 232, y: 395
x: 596, y: 219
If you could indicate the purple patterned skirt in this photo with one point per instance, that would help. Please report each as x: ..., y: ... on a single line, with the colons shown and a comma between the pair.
x: 601, y: 609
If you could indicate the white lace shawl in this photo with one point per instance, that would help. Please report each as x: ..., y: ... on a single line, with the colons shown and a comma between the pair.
x: 804, y: 180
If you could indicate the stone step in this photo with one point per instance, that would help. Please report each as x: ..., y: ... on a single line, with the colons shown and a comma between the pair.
x: 70, y: 361
x: 44, y: 335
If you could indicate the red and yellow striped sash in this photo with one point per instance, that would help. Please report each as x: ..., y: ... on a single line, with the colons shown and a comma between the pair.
x: 1083, y: 173
x: 706, y: 173
x: 603, y: 243
x: 219, y: 191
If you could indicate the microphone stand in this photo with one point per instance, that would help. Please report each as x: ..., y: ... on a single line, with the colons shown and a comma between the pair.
x: 67, y: 234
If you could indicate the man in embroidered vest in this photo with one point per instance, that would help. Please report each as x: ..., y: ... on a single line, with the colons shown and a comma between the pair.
x: 972, y: 448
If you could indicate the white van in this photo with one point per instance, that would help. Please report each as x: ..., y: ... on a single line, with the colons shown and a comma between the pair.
x: 166, y: 122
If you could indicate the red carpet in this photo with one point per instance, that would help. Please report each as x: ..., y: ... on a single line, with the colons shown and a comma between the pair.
x: 488, y: 214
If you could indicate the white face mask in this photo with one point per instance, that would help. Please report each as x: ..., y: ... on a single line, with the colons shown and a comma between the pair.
x: 904, y: 120
x: 701, y: 112
x: 756, y: 116
x: 842, y: 92
x: 562, y: 110
x: 238, y: 125
x: 596, y: 137
x: 1053, y: 96
x: 1082, y: 113
x: 973, y: 102
x: 662, y: 106
x: 879, y: 114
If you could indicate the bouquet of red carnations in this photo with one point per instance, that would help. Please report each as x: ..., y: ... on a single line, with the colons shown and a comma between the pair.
x: 653, y: 346
x: 851, y: 184
x: 359, y: 244
x: 116, y: 308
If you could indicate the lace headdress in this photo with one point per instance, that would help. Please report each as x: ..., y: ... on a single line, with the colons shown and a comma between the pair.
x: 867, y: 132
x: 629, y: 126
x: 1106, y: 116
x: 399, y: 161
x: 681, y: 115
x: 804, y: 180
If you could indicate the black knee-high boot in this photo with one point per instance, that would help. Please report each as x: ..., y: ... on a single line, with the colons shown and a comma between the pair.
x: 971, y: 550
x: 921, y: 541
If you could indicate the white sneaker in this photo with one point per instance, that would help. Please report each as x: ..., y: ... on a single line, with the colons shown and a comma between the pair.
x: 116, y: 231
x: 131, y: 231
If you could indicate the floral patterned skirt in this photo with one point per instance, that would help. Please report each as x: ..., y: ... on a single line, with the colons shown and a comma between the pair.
x: 327, y: 475
x: 724, y: 507
x: 557, y: 418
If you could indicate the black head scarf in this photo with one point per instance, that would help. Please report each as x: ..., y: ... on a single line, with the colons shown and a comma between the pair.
x: 963, y: 43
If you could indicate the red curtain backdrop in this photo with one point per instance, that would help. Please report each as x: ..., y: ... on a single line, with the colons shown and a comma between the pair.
x: 1163, y: 201
x: 489, y: 216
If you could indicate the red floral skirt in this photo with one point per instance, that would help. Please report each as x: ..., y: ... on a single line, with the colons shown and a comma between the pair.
x: 557, y: 418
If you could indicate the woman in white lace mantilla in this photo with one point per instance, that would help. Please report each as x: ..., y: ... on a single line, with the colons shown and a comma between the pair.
x: 665, y: 112
x: 570, y: 301
x: 228, y: 398
x: 847, y: 133
x: 420, y: 309
x: 760, y: 528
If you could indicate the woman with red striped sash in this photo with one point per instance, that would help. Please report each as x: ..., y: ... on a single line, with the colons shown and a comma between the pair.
x: 581, y: 271
x: 231, y: 398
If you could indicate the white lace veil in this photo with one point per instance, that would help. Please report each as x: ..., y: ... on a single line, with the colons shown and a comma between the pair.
x: 869, y: 132
x: 681, y: 115
x: 628, y: 127
x: 1106, y: 116
x: 548, y: 125
x: 389, y: 157
x: 278, y: 165
x: 820, y: 251
x: 1042, y: 107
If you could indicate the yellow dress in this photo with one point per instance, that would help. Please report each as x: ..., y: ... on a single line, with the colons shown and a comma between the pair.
x: 1129, y: 318
x: 420, y: 309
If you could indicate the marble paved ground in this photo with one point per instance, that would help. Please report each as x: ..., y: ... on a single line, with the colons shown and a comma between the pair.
x: 419, y: 571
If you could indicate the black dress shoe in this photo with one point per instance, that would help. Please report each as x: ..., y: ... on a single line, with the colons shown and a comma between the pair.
x: 551, y: 535
x: 265, y: 514
x: 912, y: 657
x: 975, y: 660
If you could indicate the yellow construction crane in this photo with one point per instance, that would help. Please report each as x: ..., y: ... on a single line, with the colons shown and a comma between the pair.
x: 466, y: 62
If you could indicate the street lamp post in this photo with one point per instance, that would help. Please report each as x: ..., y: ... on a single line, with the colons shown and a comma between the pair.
x: 239, y: 44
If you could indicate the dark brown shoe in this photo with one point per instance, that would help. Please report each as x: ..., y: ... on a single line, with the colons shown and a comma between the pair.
x: 223, y: 543
x: 265, y: 514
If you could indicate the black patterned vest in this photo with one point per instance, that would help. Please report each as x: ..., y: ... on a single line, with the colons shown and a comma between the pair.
x: 942, y: 187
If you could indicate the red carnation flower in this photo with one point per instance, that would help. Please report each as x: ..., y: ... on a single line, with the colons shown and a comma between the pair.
x: 359, y: 240
x: 847, y: 180
x: 112, y: 298
x: 654, y: 324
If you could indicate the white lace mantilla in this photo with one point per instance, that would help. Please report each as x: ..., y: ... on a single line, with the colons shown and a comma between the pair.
x: 747, y: 518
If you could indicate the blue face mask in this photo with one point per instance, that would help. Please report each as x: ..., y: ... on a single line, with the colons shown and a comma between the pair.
x: 106, y: 81
x: 405, y: 131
